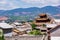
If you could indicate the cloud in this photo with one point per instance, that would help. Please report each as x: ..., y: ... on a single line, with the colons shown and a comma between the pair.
x: 44, y: 2
x: 7, y: 5
x: 12, y: 4
x: 3, y: 2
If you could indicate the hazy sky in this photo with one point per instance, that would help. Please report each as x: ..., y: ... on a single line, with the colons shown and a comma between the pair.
x: 12, y: 4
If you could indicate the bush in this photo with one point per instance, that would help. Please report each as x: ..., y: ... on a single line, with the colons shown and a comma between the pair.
x: 35, y: 32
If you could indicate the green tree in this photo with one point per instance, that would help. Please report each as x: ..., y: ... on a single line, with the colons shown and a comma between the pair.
x: 1, y: 35
x: 33, y: 26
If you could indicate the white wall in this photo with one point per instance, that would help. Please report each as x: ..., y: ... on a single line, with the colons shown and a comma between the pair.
x: 55, y: 38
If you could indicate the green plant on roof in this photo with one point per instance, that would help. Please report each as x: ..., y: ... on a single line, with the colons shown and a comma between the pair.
x: 1, y: 35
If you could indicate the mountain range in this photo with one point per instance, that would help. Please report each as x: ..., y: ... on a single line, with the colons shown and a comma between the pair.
x: 30, y: 12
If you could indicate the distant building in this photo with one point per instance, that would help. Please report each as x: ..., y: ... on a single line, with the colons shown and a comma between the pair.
x: 57, y: 21
x: 51, y: 25
x: 3, y: 18
x: 42, y: 19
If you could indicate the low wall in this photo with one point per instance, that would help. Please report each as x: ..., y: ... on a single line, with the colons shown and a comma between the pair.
x: 24, y: 38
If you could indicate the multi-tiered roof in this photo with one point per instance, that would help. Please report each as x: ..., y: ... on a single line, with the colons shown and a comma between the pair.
x: 42, y: 19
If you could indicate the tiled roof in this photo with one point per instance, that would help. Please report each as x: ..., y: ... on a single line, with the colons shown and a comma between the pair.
x: 5, y: 25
